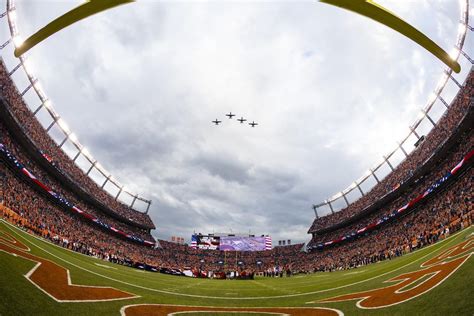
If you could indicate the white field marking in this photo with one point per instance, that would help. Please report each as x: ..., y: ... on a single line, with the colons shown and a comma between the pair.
x: 274, y: 288
x: 13, y: 241
x: 426, y: 277
x: 415, y: 296
x: 185, y: 286
x: 343, y: 286
x: 448, y: 253
x: 38, y: 264
x: 124, y: 269
x: 233, y: 298
x: 354, y: 272
x: 231, y: 293
x: 105, y: 266
x: 228, y: 311
x: 123, y: 313
x: 401, y: 281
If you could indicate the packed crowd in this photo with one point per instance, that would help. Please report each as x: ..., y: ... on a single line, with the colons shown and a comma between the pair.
x: 403, y: 172
x: 449, y: 210
x: 7, y: 140
x: 59, y: 158
x: 464, y: 144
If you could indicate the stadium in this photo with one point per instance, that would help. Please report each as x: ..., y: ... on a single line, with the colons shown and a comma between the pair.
x: 75, y: 240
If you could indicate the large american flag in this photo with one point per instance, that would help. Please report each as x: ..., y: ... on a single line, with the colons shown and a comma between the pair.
x: 268, y: 242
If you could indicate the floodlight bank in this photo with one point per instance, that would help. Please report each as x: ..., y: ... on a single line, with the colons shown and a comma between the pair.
x: 16, y: 39
x: 423, y: 114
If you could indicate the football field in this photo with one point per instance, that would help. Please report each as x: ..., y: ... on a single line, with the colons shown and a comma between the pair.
x: 39, y: 278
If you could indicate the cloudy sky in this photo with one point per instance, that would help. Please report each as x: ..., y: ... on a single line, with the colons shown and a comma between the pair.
x: 332, y: 92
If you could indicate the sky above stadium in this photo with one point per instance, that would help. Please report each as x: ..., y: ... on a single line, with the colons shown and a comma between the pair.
x: 332, y: 92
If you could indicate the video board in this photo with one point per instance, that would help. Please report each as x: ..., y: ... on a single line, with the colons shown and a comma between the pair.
x: 205, y: 242
x: 233, y: 243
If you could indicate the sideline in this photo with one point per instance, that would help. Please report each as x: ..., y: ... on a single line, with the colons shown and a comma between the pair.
x: 447, y: 241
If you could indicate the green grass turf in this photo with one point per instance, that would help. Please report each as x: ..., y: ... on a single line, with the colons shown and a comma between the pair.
x: 18, y: 296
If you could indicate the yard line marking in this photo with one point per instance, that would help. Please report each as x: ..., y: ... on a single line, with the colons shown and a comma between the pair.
x: 105, y: 266
x: 448, y: 240
x: 355, y: 272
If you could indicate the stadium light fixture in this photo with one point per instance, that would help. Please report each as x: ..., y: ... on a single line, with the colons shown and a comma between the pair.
x: 432, y: 97
x: 462, y: 28
x: 17, y: 41
x: 12, y: 15
x: 454, y: 53
x: 421, y: 115
x: 28, y: 67
x: 64, y: 126
x: 86, y: 153
x: 47, y: 104
x: 101, y: 169
x: 441, y: 83
x: 73, y: 138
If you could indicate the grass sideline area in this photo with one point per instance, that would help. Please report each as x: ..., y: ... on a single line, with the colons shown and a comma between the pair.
x: 25, y: 285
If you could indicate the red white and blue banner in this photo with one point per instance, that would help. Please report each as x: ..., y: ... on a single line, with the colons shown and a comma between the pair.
x: 404, y: 208
x: 65, y: 203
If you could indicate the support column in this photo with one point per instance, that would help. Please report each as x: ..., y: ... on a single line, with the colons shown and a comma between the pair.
x: 3, y: 14
x: 388, y: 163
x: 330, y: 206
x: 76, y: 156
x: 29, y: 87
x: 91, y: 167
x: 5, y: 44
x: 453, y: 79
x: 360, y: 189
x: 51, y: 125
x: 64, y: 140
x: 414, y: 132
x: 38, y: 108
x: 403, y: 150
x: 430, y: 119
x: 315, y: 211
x: 105, y: 182
x: 14, y: 69
x: 133, y: 202
x: 345, y: 199
x: 465, y: 55
x: 443, y: 101
x: 148, y: 207
x: 118, y: 194
x: 375, y: 176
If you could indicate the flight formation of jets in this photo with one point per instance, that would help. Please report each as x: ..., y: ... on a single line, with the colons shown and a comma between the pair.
x: 230, y: 116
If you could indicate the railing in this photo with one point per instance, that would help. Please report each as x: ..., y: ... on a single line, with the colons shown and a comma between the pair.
x: 106, y: 181
x: 370, y: 175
